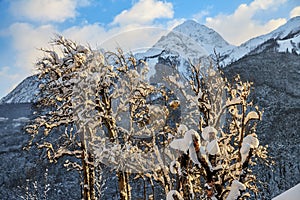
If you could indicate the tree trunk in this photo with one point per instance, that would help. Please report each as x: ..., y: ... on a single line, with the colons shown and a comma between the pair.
x: 123, y: 178
x: 124, y: 187
x: 88, y: 176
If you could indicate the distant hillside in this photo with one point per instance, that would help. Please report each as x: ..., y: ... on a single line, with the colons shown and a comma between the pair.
x: 277, y: 90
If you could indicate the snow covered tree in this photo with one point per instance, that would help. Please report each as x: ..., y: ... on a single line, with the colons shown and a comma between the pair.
x: 218, y: 157
x: 193, y: 136
x: 54, y: 127
x: 83, y: 94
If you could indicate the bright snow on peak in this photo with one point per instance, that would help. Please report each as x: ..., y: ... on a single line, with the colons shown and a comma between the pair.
x: 193, y: 40
x: 206, y: 37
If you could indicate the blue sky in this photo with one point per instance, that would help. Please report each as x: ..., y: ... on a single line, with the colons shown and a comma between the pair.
x: 27, y: 25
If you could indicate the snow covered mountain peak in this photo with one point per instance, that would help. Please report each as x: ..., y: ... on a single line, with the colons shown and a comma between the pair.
x: 194, y: 37
x: 206, y: 37
x: 190, y: 25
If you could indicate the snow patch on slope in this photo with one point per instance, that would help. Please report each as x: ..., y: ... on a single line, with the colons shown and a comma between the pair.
x: 22, y: 120
x: 291, y: 194
x: 291, y: 45
x: 3, y: 119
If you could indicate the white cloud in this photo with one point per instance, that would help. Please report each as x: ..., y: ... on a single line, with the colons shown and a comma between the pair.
x: 91, y: 34
x: 27, y: 39
x: 46, y: 10
x: 131, y: 30
x: 175, y: 22
x: 128, y: 38
x: 199, y: 16
x: 240, y: 26
x: 202, y: 14
x: 135, y: 40
x: 8, y: 80
x: 144, y: 12
x: 295, y: 12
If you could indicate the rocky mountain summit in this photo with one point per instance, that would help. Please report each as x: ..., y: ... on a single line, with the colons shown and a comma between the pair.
x: 26, y: 174
x: 193, y: 40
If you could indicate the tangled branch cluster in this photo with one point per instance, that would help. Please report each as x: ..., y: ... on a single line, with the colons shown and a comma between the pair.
x: 101, y: 109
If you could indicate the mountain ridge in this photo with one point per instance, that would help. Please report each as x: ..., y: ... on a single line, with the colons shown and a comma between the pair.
x: 284, y: 32
x: 190, y: 31
x: 26, y: 92
x: 193, y: 40
x: 275, y: 77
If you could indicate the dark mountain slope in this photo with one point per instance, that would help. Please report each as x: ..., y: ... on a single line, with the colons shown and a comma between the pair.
x: 276, y: 78
x: 25, y: 174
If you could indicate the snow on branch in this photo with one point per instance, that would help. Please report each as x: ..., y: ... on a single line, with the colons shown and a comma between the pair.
x: 194, y: 136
